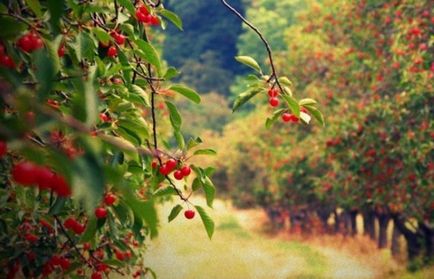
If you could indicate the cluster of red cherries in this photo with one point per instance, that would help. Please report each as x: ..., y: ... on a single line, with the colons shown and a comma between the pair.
x: 170, y: 165
x: 30, y: 42
x: 28, y: 174
x: 143, y: 16
x: 273, y: 100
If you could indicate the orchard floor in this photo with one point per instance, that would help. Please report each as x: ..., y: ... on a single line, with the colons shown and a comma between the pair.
x: 241, y: 250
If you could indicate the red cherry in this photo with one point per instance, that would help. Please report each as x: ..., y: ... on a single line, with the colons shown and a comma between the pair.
x: 44, y: 176
x: 273, y: 101
x: 38, y: 43
x: 272, y: 92
x: 164, y: 170
x: 7, y: 62
x: 105, y: 117
x: 2, y: 49
x: 3, y: 148
x: 178, y: 175
x: 31, y: 237
x: 144, y: 10
x: 154, y: 20
x: 64, y: 263
x: 86, y: 246
x: 61, y: 51
x: 119, y: 38
x: 96, y: 275
x: 154, y: 165
x: 101, y: 267
x: 25, y: 43
x: 189, y: 214
x: 70, y: 223
x: 286, y: 117
x: 119, y: 255
x: 186, y: 170
x: 31, y: 256
x: 141, y: 17
x: 100, y: 212
x: 25, y: 173
x: 294, y: 119
x: 110, y: 199
x: 112, y: 52
x: 60, y: 186
x: 303, y: 109
x: 79, y: 228
x: 171, y: 164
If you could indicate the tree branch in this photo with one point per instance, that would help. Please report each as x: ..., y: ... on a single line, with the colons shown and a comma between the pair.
x: 265, y: 42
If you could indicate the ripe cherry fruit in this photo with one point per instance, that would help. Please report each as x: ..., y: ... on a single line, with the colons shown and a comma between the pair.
x: 24, y: 173
x: 100, y: 212
x: 96, y: 275
x: 186, y: 170
x: 178, y: 175
x: 272, y: 92
x: 189, y: 214
x: 61, y: 51
x: 273, y: 101
x: 286, y: 117
x: 119, y: 38
x: 112, y: 52
x: 171, y: 164
x: 110, y: 199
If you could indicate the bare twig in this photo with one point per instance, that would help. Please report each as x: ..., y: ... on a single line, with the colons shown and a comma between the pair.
x: 267, y: 45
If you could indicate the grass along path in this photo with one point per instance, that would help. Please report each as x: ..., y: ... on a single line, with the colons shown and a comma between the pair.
x: 237, y: 251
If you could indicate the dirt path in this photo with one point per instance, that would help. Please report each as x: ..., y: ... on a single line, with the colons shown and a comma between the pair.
x: 239, y: 251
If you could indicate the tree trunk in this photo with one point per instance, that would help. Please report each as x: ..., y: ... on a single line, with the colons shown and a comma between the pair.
x: 396, y: 246
x: 324, y: 216
x: 383, y: 221
x: 337, y: 221
x: 353, y: 221
x: 414, y: 239
x: 369, y: 224
x: 429, y: 241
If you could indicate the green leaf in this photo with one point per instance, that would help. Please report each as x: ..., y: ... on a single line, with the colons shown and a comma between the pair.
x: 148, y: 52
x: 56, y: 8
x: 285, y: 81
x: 146, y: 211
x: 193, y: 142
x: 270, y: 121
x: 316, y: 114
x: 91, y: 98
x: 249, y: 61
x: 244, y: 97
x: 207, y: 151
x: 180, y: 139
x: 209, y: 190
x: 172, y: 17
x: 57, y: 207
x: 90, y: 231
x: 102, y: 35
x: 174, y: 212
x: 292, y: 104
x: 186, y: 92
x: 35, y: 6
x: 11, y: 28
x: 175, y: 117
x: 47, y: 66
x: 206, y: 220
x: 306, y: 101
x: 138, y: 90
x: 88, y: 180
x: 167, y: 191
x: 171, y: 73
x: 128, y: 4
x: 305, y: 117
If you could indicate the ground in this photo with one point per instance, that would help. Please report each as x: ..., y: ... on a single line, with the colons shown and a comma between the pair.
x: 240, y: 250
